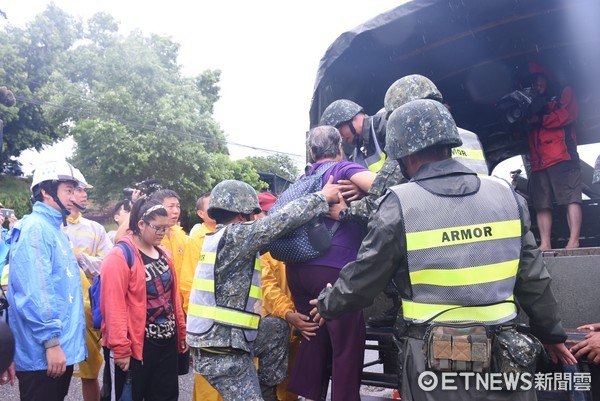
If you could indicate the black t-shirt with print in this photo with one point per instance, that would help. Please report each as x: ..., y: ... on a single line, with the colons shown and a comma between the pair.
x: 160, y: 316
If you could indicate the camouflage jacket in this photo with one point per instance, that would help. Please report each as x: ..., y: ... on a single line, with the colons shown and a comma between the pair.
x: 382, y: 257
x: 359, y: 211
x: 235, y: 263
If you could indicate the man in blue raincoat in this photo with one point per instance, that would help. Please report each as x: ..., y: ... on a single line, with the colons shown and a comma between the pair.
x: 44, y: 289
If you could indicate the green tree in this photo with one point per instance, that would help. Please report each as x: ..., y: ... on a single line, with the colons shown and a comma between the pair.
x: 15, y: 195
x: 124, y: 100
x: 29, y: 57
x: 281, y: 165
x: 139, y: 117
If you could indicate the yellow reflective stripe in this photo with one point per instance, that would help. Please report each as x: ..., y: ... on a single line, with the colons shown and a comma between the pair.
x: 255, y: 292
x: 209, y: 286
x: 419, y: 311
x: 203, y: 284
x: 227, y: 316
x: 467, y: 275
x: 463, y: 234
x: 474, y: 154
x: 208, y: 257
x: 375, y: 167
x: 257, y: 265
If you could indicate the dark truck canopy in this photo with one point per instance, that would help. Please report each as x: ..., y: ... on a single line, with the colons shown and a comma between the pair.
x: 476, y: 51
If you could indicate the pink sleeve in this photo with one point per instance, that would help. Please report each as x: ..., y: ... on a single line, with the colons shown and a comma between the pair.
x: 114, y: 274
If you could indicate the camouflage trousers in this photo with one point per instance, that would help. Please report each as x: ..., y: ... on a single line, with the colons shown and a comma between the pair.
x: 234, y: 375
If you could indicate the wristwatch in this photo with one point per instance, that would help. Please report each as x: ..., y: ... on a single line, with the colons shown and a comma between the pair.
x: 344, y: 213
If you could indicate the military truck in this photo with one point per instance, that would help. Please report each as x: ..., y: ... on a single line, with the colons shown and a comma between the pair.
x: 478, y: 53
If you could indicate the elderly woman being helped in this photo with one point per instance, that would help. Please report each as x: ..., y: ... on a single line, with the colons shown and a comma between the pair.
x: 342, y: 340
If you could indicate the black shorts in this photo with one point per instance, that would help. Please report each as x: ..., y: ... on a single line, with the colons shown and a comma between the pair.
x: 560, y: 183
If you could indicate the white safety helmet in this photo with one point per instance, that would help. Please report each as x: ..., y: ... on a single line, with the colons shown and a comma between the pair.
x: 53, y: 171
x: 82, y: 183
x: 48, y: 175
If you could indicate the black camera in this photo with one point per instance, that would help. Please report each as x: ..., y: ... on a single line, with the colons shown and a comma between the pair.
x: 146, y: 187
x: 519, y: 105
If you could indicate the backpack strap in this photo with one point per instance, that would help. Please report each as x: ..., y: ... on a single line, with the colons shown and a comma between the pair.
x: 127, y: 251
x: 320, y: 171
x: 323, y: 168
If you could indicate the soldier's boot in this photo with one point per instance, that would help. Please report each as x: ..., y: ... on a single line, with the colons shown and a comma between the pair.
x: 269, y: 393
x: 388, y: 317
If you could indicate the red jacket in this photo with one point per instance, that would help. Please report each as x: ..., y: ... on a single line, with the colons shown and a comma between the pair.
x: 555, y: 140
x: 123, y: 302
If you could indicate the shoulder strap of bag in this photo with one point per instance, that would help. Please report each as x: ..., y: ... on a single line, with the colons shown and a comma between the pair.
x: 127, y: 251
x: 320, y: 171
x: 323, y: 168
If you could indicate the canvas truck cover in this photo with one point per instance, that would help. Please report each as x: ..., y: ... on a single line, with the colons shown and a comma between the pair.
x: 475, y: 52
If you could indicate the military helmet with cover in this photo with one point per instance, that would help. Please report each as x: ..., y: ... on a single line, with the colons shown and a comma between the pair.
x: 409, y: 88
x: 233, y: 196
x: 417, y: 125
x: 339, y: 112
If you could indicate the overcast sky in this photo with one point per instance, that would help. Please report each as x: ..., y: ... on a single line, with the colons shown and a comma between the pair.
x: 268, y: 52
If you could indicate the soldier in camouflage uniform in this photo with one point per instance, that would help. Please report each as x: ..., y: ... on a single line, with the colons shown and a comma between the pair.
x: 413, y: 87
x: 366, y: 134
x: 404, y: 90
x: 415, y: 238
x: 224, y: 326
x: 596, y: 178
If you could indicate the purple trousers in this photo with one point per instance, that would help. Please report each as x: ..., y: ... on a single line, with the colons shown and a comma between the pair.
x: 341, y: 341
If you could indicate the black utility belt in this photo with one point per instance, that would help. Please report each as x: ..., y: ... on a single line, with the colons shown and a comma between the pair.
x: 475, y: 347
x: 223, y: 350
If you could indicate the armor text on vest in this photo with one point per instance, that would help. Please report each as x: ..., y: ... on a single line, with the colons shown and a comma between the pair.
x: 458, y: 152
x: 467, y: 233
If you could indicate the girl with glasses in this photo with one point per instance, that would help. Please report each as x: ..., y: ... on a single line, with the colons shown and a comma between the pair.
x: 141, y: 309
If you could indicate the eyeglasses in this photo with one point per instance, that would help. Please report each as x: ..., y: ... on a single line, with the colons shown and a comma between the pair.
x: 159, y: 230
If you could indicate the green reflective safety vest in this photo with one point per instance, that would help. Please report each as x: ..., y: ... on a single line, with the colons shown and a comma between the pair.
x: 470, y: 154
x: 461, y: 250
x: 203, y: 311
x: 376, y: 160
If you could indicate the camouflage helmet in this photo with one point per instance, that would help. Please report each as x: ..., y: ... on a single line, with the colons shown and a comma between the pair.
x: 596, y: 177
x: 409, y: 88
x: 339, y: 112
x: 233, y: 196
x: 417, y: 125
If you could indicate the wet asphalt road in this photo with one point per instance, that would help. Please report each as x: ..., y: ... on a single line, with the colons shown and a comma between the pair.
x: 186, y: 384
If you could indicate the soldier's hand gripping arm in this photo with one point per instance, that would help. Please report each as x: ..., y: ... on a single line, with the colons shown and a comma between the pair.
x: 361, y: 210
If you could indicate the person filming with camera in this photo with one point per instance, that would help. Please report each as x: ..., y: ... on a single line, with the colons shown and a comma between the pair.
x: 556, y: 174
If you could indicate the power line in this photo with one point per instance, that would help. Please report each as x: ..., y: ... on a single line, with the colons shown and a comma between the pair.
x: 136, y: 125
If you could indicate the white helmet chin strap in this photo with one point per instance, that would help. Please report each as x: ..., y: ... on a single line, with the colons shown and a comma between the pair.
x: 82, y: 208
x: 63, y: 210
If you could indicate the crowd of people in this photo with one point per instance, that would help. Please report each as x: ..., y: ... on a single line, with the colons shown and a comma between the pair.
x: 254, y: 328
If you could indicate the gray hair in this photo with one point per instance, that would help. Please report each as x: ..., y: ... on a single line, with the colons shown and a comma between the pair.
x: 324, y: 142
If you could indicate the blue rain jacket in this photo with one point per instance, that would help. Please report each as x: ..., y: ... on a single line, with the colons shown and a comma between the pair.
x: 44, y: 290
x: 3, y: 249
